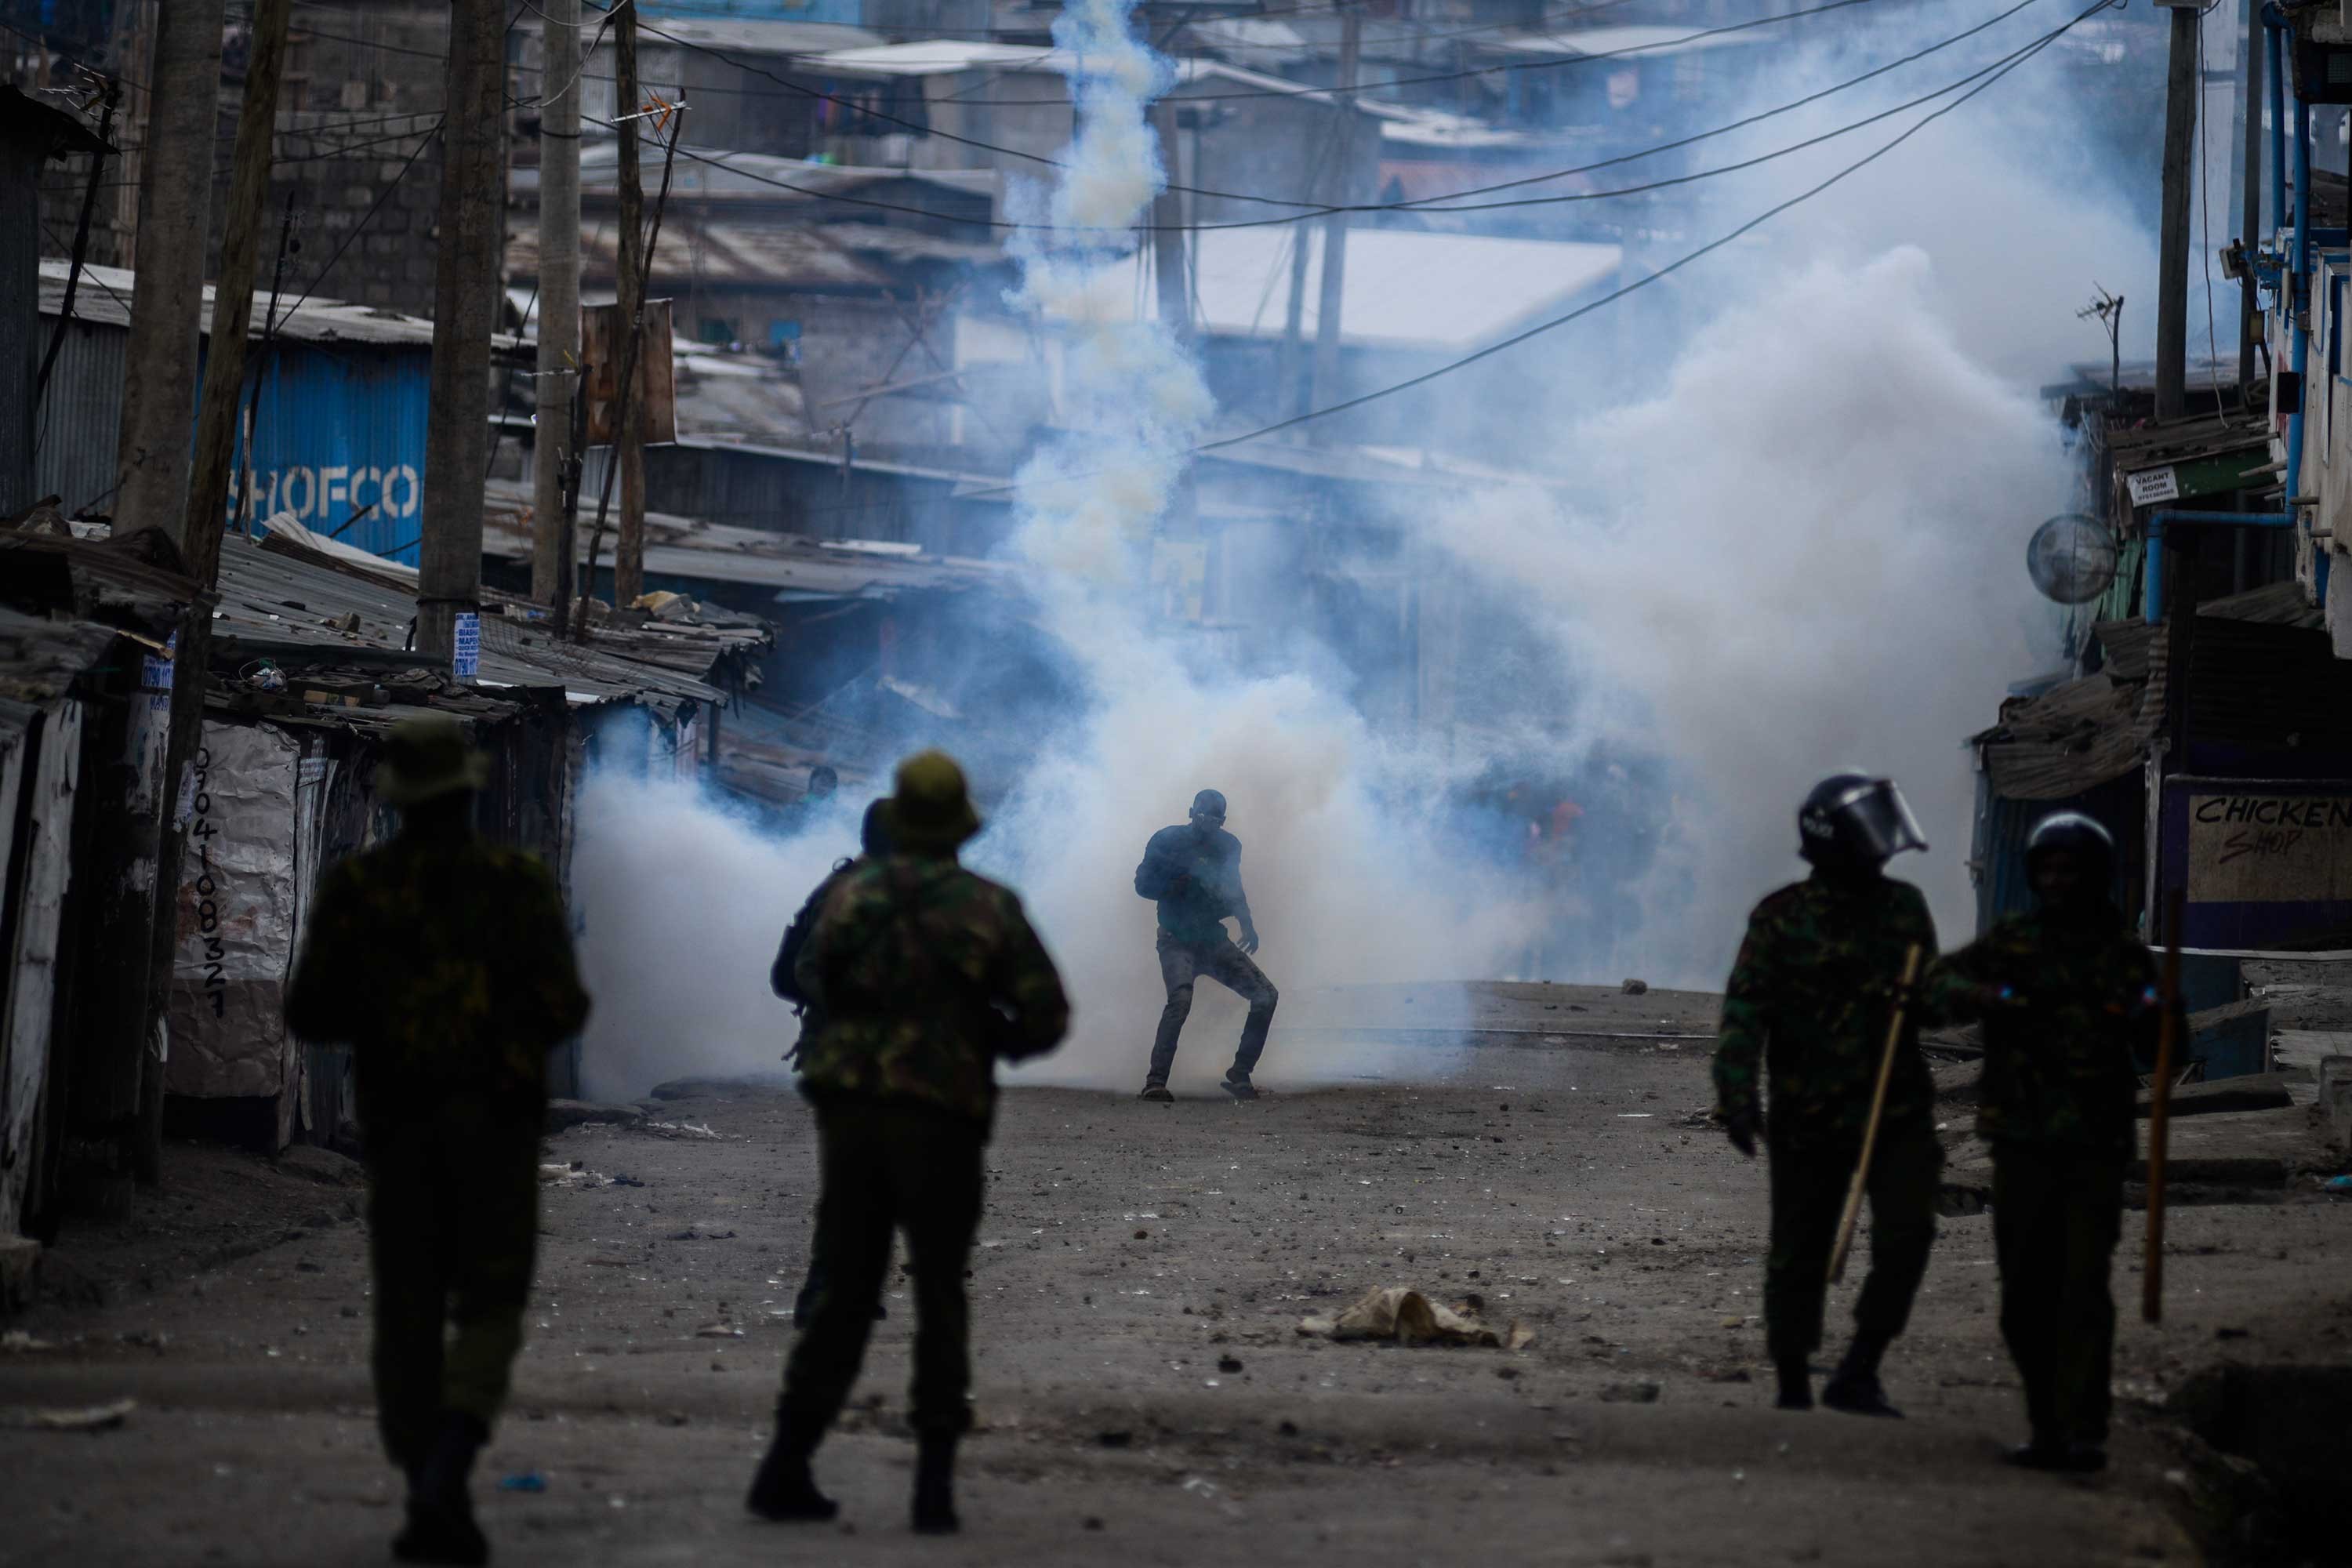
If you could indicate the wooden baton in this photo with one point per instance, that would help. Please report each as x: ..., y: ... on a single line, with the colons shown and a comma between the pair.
x: 1853, y: 1215
x: 2160, y: 1107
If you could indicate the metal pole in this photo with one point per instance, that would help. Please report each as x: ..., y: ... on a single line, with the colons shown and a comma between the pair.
x: 559, y: 289
x: 629, y: 439
x: 1335, y: 227
x: 465, y: 301
x: 2273, y: 24
x: 2180, y: 109
x: 2250, y: 296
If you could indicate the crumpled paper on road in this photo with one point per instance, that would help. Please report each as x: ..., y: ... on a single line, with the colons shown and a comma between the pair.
x: 1410, y: 1317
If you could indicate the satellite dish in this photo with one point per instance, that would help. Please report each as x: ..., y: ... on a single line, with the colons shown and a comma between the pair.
x: 2071, y: 558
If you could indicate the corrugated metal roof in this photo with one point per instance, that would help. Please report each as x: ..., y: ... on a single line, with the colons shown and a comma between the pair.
x: 104, y: 296
x: 2071, y: 739
x: 795, y: 566
x: 1397, y: 295
x: 751, y: 36
x: 40, y: 657
x: 1650, y: 42
x: 272, y: 599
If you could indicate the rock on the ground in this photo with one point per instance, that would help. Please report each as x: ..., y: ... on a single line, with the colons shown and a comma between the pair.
x: 565, y: 1113
x: 19, y: 1258
x: 323, y: 1165
x: 1636, y: 987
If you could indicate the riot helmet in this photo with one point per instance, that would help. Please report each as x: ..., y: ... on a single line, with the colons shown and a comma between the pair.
x: 1209, y: 808
x: 1855, y: 821
x: 2091, y: 844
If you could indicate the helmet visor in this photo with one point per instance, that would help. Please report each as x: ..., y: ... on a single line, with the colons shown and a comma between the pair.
x: 1876, y: 820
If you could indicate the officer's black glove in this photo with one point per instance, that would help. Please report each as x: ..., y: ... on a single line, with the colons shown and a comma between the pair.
x: 1740, y: 1128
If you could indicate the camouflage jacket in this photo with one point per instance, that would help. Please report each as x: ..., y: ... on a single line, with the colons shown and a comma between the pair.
x: 925, y: 973
x: 2058, y: 1063
x: 1809, y: 998
x: 445, y: 964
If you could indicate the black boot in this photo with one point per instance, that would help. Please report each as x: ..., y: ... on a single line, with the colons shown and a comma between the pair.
x: 1853, y: 1387
x: 1796, y: 1385
x: 441, y: 1527
x: 935, y: 1511
x: 783, y: 1490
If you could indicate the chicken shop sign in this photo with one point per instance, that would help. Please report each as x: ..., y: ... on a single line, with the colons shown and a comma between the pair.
x: 2270, y: 849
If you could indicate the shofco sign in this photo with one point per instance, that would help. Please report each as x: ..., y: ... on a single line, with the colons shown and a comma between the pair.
x: 330, y: 494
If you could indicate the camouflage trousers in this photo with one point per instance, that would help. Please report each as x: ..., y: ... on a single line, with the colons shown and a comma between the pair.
x: 453, y: 1225
x: 887, y: 1167
x: 1181, y: 963
x: 2056, y: 1217
x: 1809, y: 1190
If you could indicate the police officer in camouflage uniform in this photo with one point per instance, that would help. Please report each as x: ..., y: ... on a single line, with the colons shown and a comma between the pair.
x: 446, y: 963
x: 925, y: 975
x: 1809, y: 1000
x: 2068, y: 998
x: 1193, y: 873
x: 872, y: 844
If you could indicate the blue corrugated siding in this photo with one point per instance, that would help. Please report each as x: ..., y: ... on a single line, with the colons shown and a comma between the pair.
x: 339, y: 427
x: 2002, y: 826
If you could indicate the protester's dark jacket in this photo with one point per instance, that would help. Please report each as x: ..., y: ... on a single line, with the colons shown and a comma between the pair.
x: 1213, y: 862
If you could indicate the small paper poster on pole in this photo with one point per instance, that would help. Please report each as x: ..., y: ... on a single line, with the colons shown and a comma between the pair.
x: 468, y: 662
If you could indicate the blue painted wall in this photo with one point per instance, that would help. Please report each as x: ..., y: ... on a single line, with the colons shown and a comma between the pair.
x: 340, y: 425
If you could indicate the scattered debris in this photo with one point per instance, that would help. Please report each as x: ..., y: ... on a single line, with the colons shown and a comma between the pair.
x: 1636, y: 987
x: 323, y: 1166
x: 679, y: 1129
x: 17, y: 1342
x: 1410, y: 1317
x: 88, y: 1419
x: 1229, y: 1363
x: 564, y: 1114
x: 528, y: 1482
x: 1643, y: 1393
x: 574, y: 1174
x: 693, y: 1235
x: 718, y: 1331
x: 1119, y: 1438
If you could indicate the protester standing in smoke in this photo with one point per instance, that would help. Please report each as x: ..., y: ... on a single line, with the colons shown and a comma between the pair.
x: 2067, y: 998
x: 924, y: 975
x: 1194, y: 872
x: 874, y: 844
x: 446, y: 963
x: 1811, y: 997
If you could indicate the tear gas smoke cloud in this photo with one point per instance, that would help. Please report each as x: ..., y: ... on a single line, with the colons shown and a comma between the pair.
x: 1799, y: 545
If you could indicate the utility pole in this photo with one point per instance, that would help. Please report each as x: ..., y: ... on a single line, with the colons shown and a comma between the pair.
x: 121, y: 1079
x: 465, y: 300
x: 1168, y: 265
x: 205, y: 518
x: 2250, y: 306
x: 175, y: 195
x: 1335, y: 227
x: 2181, y: 96
x: 559, y: 289
x: 629, y: 440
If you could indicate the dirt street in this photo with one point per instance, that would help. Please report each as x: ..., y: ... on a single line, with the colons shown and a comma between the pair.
x: 1142, y: 1392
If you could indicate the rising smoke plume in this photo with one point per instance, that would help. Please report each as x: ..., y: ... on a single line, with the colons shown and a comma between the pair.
x: 1798, y: 546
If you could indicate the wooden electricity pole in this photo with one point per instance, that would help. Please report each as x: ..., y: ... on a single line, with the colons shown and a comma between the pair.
x: 629, y: 440
x: 559, y: 289
x: 465, y: 309
x: 2180, y: 94
x: 202, y: 523
x: 2250, y: 302
x: 167, y: 291
x: 1334, y: 228
x: 118, y: 1078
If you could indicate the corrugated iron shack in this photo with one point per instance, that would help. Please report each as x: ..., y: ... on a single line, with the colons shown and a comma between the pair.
x: 311, y: 666
x: 338, y: 394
